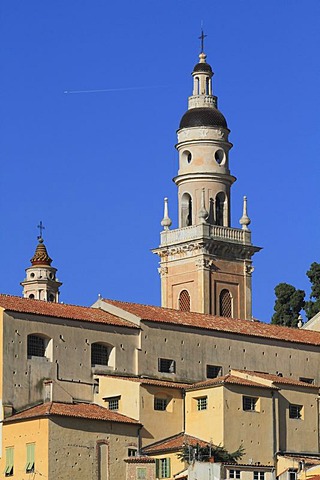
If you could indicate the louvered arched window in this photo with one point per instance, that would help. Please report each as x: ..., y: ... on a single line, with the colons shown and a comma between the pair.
x: 184, y: 301
x: 225, y: 303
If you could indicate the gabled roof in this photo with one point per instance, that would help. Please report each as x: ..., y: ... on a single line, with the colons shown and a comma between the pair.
x: 174, y: 443
x: 276, y: 379
x: 216, y: 323
x: 148, y: 381
x: 227, y: 380
x: 78, y: 410
x: 61, y: 310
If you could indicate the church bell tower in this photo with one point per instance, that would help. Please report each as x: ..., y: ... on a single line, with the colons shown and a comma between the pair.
x: 41, y: 282
x: 205, y: 264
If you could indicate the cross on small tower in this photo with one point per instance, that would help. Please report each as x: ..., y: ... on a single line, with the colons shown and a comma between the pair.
x: 202, y: 37
x: 41, y: 228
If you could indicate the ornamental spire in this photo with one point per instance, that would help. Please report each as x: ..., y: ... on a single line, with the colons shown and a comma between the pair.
x: 166, y: 221
x: 245, y: 220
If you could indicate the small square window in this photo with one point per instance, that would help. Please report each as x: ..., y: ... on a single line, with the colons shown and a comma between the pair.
x: 202, y: 403
x: 141, y: 473
x: 166, y: 365
x: 258, y: 475
x: 160, y: 404
x: 234, y: 474
x: 132, y: 452
x: 295, y: 411
x: 113, y: 402
x: 214, y: 371
x: 249, y: 404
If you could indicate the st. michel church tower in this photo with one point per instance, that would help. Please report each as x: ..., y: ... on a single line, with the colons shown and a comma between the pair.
x: 205, y: 264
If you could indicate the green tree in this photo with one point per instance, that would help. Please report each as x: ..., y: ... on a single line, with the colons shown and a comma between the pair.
x: 202, y: 454
x: 288, y: 304
x: 313, y: 306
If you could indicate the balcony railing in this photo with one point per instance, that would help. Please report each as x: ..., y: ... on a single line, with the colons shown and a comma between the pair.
x: 186, y: 234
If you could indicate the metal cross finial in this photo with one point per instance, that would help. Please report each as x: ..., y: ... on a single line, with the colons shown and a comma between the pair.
x: 41, y: 228
x: 202, y: 37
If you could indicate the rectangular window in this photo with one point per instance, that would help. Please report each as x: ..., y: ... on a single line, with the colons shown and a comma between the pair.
x: 202, y: 403
x: 166, y: 366
x: 160, y: 404
x: 249, y: 404
x: 292, y: 475
x: 295, y: 411
x: 214, y: 371
x: 30, y: 457
x: 163, y: 468
x: 9, y: 462
x: 113, y: 402
x: 132, y: 452
x: 141, y: 473
x: 307, y: 380
x: 258, y: 475
x: 234, y: 474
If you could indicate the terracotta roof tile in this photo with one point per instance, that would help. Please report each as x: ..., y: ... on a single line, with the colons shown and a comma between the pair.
x: 61, y: 310
x: 211, y: 322
x: 173, y: 443
x: 149, y: 381
x: 78, y: 410
x: 227, y: 379
x: 277, y: 379
x: 140, y: 460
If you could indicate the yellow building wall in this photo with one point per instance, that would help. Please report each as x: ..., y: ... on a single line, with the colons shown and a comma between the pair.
x: 129, y: 392
x: 206, y: 424
x: 17, y: 435
x: 176, y: 465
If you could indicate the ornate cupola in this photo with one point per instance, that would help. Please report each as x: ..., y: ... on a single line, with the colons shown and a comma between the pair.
x: 205, y: 264
x: 41, y: 282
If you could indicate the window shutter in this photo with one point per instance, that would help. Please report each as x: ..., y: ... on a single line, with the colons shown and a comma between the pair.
x: 169, y: 467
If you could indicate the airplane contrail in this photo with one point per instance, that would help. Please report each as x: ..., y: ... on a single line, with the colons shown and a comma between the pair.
x: 114, y: 89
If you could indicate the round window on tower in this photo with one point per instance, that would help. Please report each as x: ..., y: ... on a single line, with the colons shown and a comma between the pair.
x: 32, y: 275
x: 219, y: 156
x: 187, y: 156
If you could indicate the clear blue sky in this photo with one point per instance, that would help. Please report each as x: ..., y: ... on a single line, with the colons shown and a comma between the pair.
x: 95, y: 167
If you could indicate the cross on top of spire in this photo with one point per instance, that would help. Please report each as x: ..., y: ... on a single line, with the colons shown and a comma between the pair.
x: 202, y: 37
x: 41, y: 228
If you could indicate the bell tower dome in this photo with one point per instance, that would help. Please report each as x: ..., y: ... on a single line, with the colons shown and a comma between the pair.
x: 41, y: 282
x: 205, y: 264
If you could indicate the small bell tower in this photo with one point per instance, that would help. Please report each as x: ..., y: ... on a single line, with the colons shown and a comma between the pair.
x: 205, y: 264
x: 41, y: 282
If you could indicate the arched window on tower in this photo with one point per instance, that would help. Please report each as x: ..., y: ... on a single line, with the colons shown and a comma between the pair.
x: 225, y: 302
x: 220, y: 209
x: 184, y: 301
x: 207, y: 86
x: 196, y: 86
x: 186, y: 210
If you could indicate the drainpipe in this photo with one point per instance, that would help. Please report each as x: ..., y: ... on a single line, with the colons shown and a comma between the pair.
x: 184, y: 410
x: 274, y: 430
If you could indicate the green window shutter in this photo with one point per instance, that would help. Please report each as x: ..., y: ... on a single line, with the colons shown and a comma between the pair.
x: 30, y: 457
x: 9, y: 461
x: 157, y: 468
x: 169, y: 467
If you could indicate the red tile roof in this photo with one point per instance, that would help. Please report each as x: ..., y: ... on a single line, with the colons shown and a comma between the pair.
x: 77, y: 410
x: 149, y: 381
x: 139, y: 460
x: 61, y: 310
x: 173, y: 443
x: 276, y: 379
x: 227, y: 379
x: 211, y: 322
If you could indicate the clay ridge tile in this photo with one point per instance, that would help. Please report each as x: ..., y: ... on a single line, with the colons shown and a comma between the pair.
x: 149, y: 381
x: 61, y: 310
x: 211, y: 322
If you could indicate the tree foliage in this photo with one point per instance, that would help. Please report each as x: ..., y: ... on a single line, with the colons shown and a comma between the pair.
x: 202, y: 454
x: 288, y: 304
x: 313, y: 306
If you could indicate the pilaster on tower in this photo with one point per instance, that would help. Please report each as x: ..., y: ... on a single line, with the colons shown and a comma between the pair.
x: 41, y: 282
x: 205, y: 264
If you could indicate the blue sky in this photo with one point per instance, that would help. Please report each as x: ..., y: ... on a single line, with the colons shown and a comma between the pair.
x: 95, y: 167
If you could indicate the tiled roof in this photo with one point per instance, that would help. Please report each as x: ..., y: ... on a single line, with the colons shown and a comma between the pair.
x: 277, y: 379
x: 211, y: 322
x: 149, y: 381
x: 61, y: 310
x: 315, y: 477
x: 78, y: 410
x: 173, y: 443
x: 227, y: 379
x: 140, y: 460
